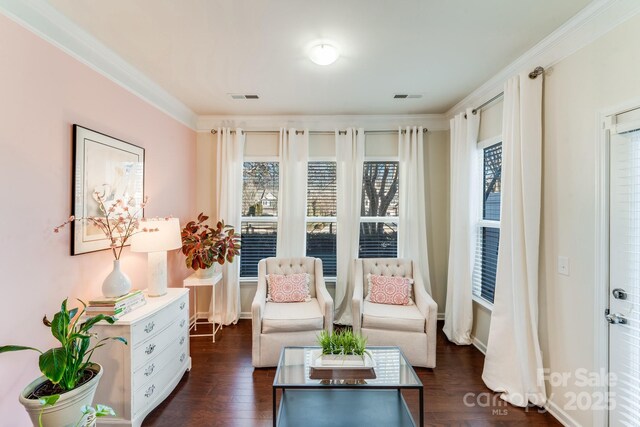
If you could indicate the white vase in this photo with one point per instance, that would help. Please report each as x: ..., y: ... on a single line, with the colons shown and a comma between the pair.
x: 116, y: 283
x: 206, y: 273
x: 68, y: 409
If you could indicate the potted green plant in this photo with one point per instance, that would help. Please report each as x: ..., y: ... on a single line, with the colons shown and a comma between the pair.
x: 69, y: 377
x: 343, y: 348
x: 205, y: 246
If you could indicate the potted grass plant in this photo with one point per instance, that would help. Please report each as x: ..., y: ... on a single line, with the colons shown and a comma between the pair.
x: 343, y: 348
x: 69, y: 379
x: 205, y: 246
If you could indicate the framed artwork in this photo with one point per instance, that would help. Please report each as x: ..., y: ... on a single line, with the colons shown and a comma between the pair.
x: 112, y: 168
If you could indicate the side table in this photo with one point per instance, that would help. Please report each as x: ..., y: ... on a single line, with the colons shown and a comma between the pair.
x: 195, y: 282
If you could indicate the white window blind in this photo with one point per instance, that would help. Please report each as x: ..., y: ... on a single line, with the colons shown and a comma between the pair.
x: 321, y: 214
x: 259, y: 214
x: 379, y: 210
x: 486, y: 259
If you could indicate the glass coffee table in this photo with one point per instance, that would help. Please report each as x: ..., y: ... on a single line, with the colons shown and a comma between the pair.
x: 344, y: 397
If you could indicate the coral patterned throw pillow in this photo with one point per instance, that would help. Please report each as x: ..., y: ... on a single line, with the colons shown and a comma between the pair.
x: 390, y: 290
x: 288, y: 287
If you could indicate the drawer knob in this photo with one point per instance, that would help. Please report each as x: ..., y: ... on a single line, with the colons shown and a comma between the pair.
x: 150, y: 348
x: 182, y: 357
x: 150, y: 391
x: 182, y: 304
x: 149, y: 327
x: 149, y: 370
x: 182, y: 323
x: 182, y: 340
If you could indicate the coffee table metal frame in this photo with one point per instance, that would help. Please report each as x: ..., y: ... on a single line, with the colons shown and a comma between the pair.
x: 318, y: 386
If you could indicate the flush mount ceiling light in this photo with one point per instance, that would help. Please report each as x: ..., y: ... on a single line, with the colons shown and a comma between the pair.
x: 323, y: 53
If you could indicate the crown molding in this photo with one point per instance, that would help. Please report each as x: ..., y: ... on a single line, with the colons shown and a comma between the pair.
x: 433, y: 122
x: 48, y: 23
x: 596, y: 19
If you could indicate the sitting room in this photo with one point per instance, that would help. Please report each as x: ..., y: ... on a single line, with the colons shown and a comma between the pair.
x: 339, y: 213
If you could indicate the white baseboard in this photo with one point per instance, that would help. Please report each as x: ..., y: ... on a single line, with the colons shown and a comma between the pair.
x: 479, y: 345
x: 440, y: 316
x: 245, y: 315
x: 560, y: 415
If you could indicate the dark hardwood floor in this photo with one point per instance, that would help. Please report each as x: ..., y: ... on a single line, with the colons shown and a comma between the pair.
x: 223, y: 389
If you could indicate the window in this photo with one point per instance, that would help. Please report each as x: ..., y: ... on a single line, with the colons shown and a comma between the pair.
x: 260, y: 186
x: 379, y: 210
x: 484, y: 274
x: 321, y: 214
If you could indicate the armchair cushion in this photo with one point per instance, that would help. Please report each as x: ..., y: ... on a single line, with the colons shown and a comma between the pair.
x: 392, y: 317
x: 292, y: 317
x: 288, y: 287
x: 389, y: 290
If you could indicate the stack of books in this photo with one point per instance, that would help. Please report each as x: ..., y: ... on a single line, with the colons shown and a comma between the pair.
x: 118, y: 306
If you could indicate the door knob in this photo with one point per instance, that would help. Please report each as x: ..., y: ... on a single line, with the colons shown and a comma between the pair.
x: 616, y: 319
x: 619, y: 293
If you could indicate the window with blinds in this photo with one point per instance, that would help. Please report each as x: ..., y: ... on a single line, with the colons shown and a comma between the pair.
x: 486, y: 259
x: 259, y: 229
x: 379, y: 210
x: 321, y: 214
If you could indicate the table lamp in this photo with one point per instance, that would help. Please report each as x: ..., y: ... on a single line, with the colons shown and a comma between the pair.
x: 156, y: 244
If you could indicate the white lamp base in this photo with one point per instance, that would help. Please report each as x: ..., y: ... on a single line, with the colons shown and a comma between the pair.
x: 157, y: 274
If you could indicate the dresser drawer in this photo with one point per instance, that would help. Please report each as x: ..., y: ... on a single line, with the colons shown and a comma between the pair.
x: 157, y: 322
x: 145, y: 352
x: 149, y: 370
x: 147, y: 394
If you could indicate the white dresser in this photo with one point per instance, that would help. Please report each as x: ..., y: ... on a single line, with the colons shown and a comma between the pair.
x: 140, y: 375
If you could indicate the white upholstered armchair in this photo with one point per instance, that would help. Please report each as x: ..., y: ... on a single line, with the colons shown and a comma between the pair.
x: 411, y: 327
x: 276, y: 325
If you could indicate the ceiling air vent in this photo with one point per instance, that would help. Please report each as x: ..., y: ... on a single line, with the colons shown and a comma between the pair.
x: 404, y: 96
x: 242, y: 96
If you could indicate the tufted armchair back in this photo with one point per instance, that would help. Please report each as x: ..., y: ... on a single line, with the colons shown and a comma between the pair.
x: 385, y: 267
x: 293, y: 266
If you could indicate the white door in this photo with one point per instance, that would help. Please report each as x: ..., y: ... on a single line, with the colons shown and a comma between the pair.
x: 624, y: 259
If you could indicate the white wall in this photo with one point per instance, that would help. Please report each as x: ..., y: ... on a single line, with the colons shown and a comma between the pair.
x: 599, y: 76
x: 604, y: 74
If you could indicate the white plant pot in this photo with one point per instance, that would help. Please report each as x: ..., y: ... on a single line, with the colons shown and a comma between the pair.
x: 340, y: 360
x: 67, y: 410
x: 206, y: 273
x: 116, y: 283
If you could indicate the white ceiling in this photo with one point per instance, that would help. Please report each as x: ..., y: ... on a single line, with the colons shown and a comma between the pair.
x: 202, y: 50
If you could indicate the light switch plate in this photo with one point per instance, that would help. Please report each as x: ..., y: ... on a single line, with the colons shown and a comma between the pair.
x: 563, y: 265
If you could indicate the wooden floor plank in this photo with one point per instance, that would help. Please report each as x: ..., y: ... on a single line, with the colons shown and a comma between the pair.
x: 223, y: 389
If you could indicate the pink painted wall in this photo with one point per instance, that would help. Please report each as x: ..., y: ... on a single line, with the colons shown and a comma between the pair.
x: 43, y: 92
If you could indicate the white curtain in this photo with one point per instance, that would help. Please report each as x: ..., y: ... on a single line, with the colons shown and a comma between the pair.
x: 294, y: 153
x: 412, y: 230
x: 350, y: 161
x: 230, y: 154
x: 513, y: 364
x: 465, y: 187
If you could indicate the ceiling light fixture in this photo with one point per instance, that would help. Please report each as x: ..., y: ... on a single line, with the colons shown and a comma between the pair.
x: 324, y: 53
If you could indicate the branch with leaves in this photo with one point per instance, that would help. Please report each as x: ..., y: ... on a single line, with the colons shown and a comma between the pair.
x: 118, y: 222
x: 204, y: 245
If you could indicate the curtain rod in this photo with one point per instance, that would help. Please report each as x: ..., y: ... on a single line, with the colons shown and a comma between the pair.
x: 320, y: 132
x: 532, y: 75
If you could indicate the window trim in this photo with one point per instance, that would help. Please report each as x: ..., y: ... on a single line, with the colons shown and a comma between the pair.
x: 262, y: 219
x: 383, y: 219
x: 484, y: 223
x: 331, y: 219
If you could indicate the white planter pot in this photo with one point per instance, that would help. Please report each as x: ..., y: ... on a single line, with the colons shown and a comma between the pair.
x: 116, y: 283
x: 206, y: 273
x: 67, y: 410
x: 339, y: 360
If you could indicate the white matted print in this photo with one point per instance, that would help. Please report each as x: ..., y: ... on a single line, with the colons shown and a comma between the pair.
x: 112, y: 168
